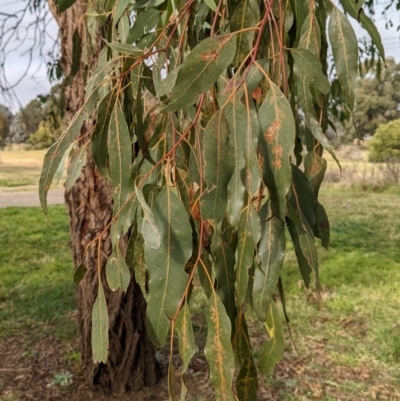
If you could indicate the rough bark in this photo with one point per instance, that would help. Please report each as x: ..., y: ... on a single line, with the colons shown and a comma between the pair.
x: 131, y: 363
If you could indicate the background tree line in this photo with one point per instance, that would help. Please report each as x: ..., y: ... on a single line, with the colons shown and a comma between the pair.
x: 39, y: 123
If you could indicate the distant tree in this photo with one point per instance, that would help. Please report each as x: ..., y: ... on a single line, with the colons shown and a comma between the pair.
x: 26, y: 122
x: 52, y: 124
x: 377, y: 101
x: 385, y: 145
x: 6, y: 118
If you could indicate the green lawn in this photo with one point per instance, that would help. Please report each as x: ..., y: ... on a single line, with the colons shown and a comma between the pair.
x: 354, y: 328
x: 36, y: 288
x: 357, y: 322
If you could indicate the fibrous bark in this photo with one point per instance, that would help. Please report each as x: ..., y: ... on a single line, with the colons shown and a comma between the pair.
x: 131, y: 364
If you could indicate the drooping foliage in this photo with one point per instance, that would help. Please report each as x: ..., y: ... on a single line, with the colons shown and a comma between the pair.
x: 211, y: 121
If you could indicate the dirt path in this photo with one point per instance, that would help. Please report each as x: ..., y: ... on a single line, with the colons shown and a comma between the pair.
x: 21, y: 199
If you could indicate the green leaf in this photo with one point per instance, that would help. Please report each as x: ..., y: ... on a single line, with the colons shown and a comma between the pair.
x: 56, y: 151
x: 200, y: 70
x: 101, y: 74
x: 211, y: 4
x: 311, y: 68
x: 255, y: 76
x: 166, y: 265
x: 307, y: 244
x: 248, y: 236
x: 374, y: 34
x: 150, y: 232
x: 236, y: 116
x: 301, y: 11
x: 64, y: 4
x: 61, y: 168
x: 302, y: 261
x: 224, y: 262
x: 218, y: 155
x: 135, y: 260
x: 205, y: 271
x: 345, y: 54
x: 187, y: 344
x: 272, y: 252
x: 100, y: 327
x: 169, y: 82
x: 143, y: 24
x: 98, y: 144
x: 77, y: 161
x: 147, y: 3
x: 243, y: 17
x: 251, y: 174
x: 79, y: 273
x: 314, y: 170
x: 354, y: 8
x: 307, y: 104
x: 277, y: 143
x: 120, y: 156
x: 117, y: 272
x: 310, y: 38
x: 272, y: 350
x: 218, y: 349
x: 302, y: 199
x: 121, y: 7
x: 126, y: 49
x: 247, y: 380
x: 322, y: 227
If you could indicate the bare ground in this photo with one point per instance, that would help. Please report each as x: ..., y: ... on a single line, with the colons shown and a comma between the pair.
x: 28, y: 371
x: 31, y: 198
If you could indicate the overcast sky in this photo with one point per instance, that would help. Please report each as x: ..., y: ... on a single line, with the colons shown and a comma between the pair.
x: 36, y: 82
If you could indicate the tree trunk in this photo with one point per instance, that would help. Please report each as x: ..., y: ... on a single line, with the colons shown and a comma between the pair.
x: 131, y: 363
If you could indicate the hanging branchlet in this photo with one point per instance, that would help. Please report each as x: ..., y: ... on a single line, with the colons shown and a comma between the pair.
x: 211, y: 125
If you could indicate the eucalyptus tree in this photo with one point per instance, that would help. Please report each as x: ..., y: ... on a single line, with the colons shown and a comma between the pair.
x: 202, y: 183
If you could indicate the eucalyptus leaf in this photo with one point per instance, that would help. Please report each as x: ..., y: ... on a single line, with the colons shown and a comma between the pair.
x: 117, y: 272
x: 219, y: 166
x: 218, y: 349
x: 278, y: 133
x: 345, y: 54
x: 272, y: 350
x: 272, y: 252
x: 55, y: 154
x: 200, y: 70
x: 165, y: 265
x: 100, y: 327
x: 187, y: 345
x: 75, y: 165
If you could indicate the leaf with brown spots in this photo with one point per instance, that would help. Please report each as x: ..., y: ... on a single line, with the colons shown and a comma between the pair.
x: 187, y: 345
x: 218, y: 349
x: 276, y: 145
x: 200, y: 71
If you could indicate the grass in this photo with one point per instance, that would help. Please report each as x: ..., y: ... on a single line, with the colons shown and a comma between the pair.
x: 358, y: 319
x: 354, y: 328
x: 20, y: 169
x: 36, y: 289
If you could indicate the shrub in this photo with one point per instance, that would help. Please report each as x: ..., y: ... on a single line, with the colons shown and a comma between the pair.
x: 385, y: 145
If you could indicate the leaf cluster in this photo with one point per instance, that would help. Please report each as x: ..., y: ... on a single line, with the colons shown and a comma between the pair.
x: 211, y: 123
